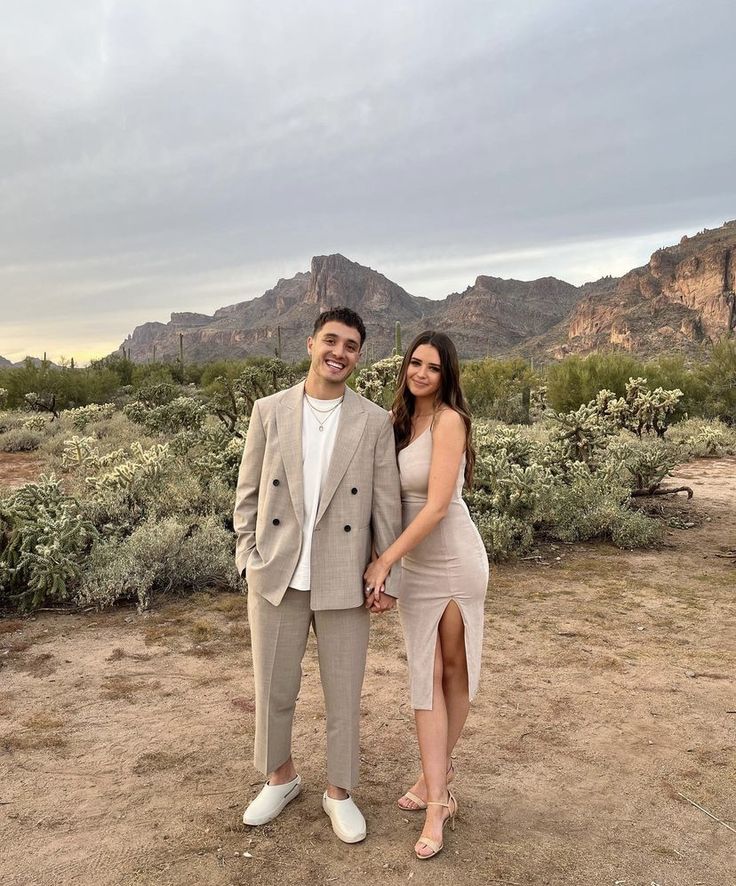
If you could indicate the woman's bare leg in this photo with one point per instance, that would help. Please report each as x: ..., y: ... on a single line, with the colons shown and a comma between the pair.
x: 449, y: 711
x: 454, y: 689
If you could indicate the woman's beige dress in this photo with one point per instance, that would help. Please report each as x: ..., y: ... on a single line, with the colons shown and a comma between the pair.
x: 449, y: 564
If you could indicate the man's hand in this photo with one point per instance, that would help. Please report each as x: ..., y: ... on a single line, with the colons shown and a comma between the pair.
x: 378, y: 601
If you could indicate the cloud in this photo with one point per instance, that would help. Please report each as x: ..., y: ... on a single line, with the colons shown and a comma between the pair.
x: 152, y: 149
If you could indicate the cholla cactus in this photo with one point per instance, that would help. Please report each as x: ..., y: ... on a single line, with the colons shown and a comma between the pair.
x: 83, y: 415
x: 232, y: 399
x: 182, y: 413
x: 79, y: 452
x: 710, y: 441
x: 37, y: 423
x: 650, y: 410
x: 3, y: 398
x: 377, y: 382
x: 139, y: 470
x: 44, y: 540
x: 579, y: 435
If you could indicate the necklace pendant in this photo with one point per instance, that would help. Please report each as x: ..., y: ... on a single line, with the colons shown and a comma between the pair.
x: 321, y: 427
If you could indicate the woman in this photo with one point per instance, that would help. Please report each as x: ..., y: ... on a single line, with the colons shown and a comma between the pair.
x: 444, y: 568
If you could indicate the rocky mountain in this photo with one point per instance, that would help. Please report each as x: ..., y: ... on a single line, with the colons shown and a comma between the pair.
x: 682, y: 300
x: 492, y: 314
x: 37, y: 361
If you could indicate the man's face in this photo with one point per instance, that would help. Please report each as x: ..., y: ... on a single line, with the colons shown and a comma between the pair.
x: 335, y: 351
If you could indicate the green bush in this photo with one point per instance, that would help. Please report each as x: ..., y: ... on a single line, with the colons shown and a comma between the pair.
x: 499, y: 389
x: 718, y: 377
x: 577, y: 380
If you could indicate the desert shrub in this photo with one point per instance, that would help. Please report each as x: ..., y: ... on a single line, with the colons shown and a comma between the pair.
x: 44, y: 539
x: 3, y: 398
x: 158, y: 557
x: 587, y: 504
x: 577, y: 380
x: 499, y: 389
x: 9, y: 421
x: 718, y: 377
x: 20, y: 440
x: 704, y: 438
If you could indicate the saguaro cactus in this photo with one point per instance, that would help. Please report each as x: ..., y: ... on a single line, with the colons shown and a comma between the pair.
x: 397, y: 338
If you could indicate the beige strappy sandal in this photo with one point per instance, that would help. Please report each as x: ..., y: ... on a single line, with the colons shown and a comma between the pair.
x: 420, y: 804
x: 436, y: 847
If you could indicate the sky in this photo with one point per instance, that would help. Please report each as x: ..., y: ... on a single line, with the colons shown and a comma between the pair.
x: 171, y: 155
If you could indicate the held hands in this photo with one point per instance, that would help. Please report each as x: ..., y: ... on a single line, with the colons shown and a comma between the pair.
x: 374, y: 579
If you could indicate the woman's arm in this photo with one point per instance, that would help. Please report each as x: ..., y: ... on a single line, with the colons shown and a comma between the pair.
x: 448, y: 447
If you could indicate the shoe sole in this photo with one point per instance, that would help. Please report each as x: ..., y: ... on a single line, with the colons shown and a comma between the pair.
x: 282, y: 805
x: 341, y: 834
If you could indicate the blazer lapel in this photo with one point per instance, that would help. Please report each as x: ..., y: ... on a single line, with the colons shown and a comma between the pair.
x: 289, y: 427
x: 349, y: 433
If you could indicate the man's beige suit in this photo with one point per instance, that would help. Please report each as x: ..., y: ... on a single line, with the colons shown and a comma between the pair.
x: 360, y: 507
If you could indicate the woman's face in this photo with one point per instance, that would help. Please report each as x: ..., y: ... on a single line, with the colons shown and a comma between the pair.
x: 424, y: 373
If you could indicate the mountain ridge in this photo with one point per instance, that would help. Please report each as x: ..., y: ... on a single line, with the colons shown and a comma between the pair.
x: 681, y: 300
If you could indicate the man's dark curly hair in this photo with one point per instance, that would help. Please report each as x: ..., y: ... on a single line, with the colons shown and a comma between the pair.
x: 341, y: 315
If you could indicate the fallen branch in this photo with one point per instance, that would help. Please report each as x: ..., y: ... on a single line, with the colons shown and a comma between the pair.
x: 703, y: 809
x: 657, y: 490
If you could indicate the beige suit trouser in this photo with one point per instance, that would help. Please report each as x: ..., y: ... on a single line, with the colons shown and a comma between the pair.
x: 278, y: 639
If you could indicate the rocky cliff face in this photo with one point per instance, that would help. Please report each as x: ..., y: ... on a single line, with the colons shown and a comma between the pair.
x: 681, y: 300
x: 491, y: 315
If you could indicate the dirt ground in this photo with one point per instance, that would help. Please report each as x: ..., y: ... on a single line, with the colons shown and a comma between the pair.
x: 608, y: 697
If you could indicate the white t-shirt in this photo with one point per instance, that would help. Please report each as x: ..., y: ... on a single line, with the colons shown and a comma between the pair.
x: 317, y: 449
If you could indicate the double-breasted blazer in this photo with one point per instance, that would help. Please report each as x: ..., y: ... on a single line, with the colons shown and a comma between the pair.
x: 360, y: 501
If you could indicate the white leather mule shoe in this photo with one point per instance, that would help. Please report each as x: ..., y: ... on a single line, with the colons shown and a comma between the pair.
x: 347, y: 820
x: 271, y: 800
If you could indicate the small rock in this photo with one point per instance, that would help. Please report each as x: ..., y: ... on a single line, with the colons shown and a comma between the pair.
x: 247, y: 855
x: 690, y: 674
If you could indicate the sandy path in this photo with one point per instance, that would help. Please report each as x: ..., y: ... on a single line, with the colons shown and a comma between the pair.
x: 608, y: 688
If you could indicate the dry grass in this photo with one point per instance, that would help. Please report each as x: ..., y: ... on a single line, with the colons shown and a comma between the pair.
x: 232, y: 606
x: 120, y: 687
x: 157, y: 761
x: 29, y: 742
x: 42, y: 721
x: 10, y: 625
x: 38, y: 666
x: 118, y: 654
x: 201, y: 631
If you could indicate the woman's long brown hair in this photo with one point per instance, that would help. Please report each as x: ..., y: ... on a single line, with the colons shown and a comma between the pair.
x: 450, y: 394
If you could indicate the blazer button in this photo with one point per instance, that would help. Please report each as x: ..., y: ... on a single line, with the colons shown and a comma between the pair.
x: 354, y: 490
x: 276, y: 482
x: 347, y: 529
x: 276, y: 521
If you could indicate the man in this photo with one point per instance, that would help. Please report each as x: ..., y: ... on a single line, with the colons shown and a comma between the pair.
x: 318, y: 489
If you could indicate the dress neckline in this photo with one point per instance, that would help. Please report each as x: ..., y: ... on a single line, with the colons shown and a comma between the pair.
x: 419, y: 436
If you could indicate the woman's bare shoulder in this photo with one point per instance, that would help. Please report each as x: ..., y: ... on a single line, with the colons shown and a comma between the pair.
x: 448, y: 421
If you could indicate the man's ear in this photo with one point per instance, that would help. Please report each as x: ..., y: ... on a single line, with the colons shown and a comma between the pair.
x: 310, y: 342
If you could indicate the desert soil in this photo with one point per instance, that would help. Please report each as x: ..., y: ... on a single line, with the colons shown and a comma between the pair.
x: 608, y: 697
